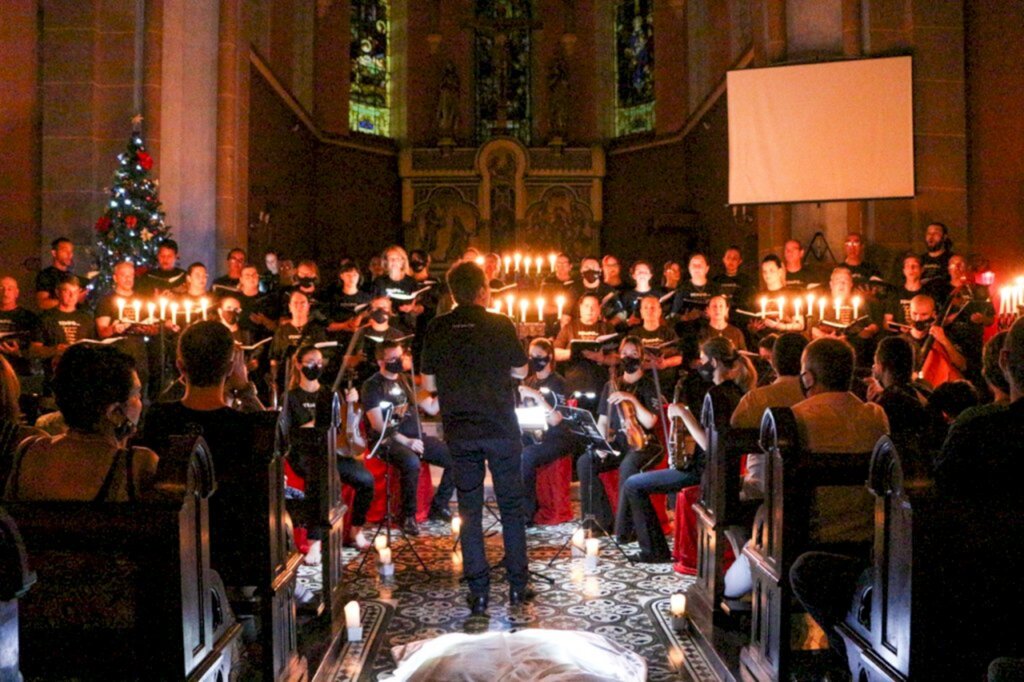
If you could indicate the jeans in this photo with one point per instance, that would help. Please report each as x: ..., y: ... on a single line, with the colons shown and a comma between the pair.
x: 502, y: 455
x: 558, y: 442
x: 637, y: 493
x: 593, y: 498
x: 408, y: 464
x: 354, y: 474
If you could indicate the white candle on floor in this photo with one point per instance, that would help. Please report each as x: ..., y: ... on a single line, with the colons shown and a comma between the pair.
x: 456, y: 525
x: 352, y: 614
x: 579, y: 539
x: 678, y: 604
x: 457, y: 561
x: 385, y: 556
x: 593, y: 546
x: 380, y: 542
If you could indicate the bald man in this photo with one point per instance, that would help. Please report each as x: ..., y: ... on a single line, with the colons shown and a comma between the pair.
x: 16, y: 327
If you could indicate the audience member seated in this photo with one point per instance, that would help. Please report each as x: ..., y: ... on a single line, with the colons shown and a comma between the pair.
x: 732, y: 375
x: 98, y: 391
x: 12, y: 430
x: 890, y: 387
x: 995, y: 380
x: 950, y: 400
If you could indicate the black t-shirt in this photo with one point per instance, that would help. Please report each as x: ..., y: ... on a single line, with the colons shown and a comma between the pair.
x: 862, y: 273
x: 578, y: 289
x: 737, y: 288
x: 651, y: 338
x: 398, y: 291
x: 19, y: 326
x: 226, y: 281
x: 471, y: 351
x: 935, y: 267
x: 288, y: 338
x: 378, y: 389
x: 342, y: 306
x: 49, y: 277
x: 553, y: 387
x: 730, y: 332
x: 690, y: 296
x: 225, y: 430
x: 582, y: 374
x: 253, y: 305
x: 172, y: 280
x: 56, y: 327
x: 644, y: 390
x: 631, y: 299
x: 968, y: 336
x: 302, y: 407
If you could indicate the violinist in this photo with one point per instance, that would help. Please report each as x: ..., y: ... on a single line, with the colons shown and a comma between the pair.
x: 629, y: 411
x: 943, y: 362
x: 969, y: 312
x: 391, y: 391
x: 544, y: 388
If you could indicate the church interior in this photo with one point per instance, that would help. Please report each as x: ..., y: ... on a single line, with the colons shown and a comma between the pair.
x: 743, y: 277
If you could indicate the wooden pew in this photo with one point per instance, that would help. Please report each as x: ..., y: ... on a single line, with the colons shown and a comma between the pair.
x: 943, y: 596
x: 783, y: 533
x: 15, y: 580
x: 125, y: 590
x: 249, y: 546
x: 718, y: 508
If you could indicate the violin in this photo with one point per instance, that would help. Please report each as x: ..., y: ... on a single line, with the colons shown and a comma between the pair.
x: 629, y: 424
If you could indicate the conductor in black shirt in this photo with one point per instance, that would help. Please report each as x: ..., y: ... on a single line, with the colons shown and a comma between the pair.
x: 470, y: 357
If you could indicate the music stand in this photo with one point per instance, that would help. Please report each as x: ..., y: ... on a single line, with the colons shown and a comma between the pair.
x: 581, y: 423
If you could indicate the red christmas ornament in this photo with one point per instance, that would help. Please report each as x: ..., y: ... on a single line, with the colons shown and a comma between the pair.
x: 103, y: 224
x: 130, y: 221
x: 145, y: 160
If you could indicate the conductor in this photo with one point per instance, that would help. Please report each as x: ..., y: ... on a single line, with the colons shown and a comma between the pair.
x: 470, y: 357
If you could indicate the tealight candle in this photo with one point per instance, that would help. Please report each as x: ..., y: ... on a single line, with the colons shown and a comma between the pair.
x: 540, y: 309
x: 524, y: 305
x: 560, y: 302
x: 352, y: 622
x: 593, y: 545
x: 579, y: 539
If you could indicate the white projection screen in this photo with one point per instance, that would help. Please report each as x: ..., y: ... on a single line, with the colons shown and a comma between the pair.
x: 821, y: 132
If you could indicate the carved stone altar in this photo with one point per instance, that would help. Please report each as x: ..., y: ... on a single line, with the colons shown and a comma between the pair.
x: 500, y: 197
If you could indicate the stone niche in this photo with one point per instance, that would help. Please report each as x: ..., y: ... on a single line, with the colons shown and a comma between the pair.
x: 500, y: 197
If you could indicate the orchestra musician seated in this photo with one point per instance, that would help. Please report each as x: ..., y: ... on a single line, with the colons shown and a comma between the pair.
x: 732, y: 375
x: 629, y: 411
x: 99, y: 393
x: 389, y: 394
x: 545, y: 388
x: 939, y: 360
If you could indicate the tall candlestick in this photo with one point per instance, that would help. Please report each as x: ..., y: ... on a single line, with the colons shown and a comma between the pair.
x: 1004, y: 306
x: 560, y: 302
x: 518, y: 258
x: 579, y: 539
x: 810, y: 304
x: 552, y: 257
x: 524, y: 305
x: 120, y: 309
x: 137, y: 306
x: 540, y: 309
x: 163, y: 307
x: 764, y: 307
x: 510, y: 299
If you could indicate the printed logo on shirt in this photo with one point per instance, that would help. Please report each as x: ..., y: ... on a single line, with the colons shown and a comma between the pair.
x: 71, y: 330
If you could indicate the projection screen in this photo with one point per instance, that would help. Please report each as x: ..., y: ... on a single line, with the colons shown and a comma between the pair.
x: 821, y: 132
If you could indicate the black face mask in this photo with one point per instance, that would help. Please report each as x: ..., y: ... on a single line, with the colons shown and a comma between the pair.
x: 630, y: 365
x: 394, y: 366
x: 306, y: 282
x: 229, y: 316
x: 312, y: 372
x: 591, y: 276
x: 417, y: 266
x: 923, y: 325
x: 804, y: 388
x: 379, y: 316
x: 706, y: 371
x: 125, y: 429
x: 538, y: 364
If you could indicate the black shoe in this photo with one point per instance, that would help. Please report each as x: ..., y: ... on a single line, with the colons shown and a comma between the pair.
x: 410, y: 527
x: 441, y: 514
x: 518, y: 596
x: 477, y: 604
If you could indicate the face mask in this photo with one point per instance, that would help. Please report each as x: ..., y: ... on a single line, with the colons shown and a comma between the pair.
x: 630, y: 365
x: 417, y: 266
x: 804, y: 388
x: 229, y: 316
x: 394, y: 366
x: 125, y: 429
x: 379, y: 316
x: 306, y: 282
x: 538, y: 364
x: 591, y: 276
x: 706, y: 371
x: 923, y: 325
x: 312, y: 372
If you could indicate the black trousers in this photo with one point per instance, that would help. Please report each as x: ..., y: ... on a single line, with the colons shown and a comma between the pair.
x: 408, y: 464
x: 593, y: 498
x: 824, y: 583
x: 558, y: 442
x: 354, y: 474
x: 502, y: 455
x: 636, y: 495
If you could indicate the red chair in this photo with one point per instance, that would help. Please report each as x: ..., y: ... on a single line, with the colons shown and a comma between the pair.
x: 553, y: 482
x: 684, y: 551
x: 424, y: 492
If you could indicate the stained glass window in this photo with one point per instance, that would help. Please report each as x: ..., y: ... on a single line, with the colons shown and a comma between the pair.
x: 369, y: 91
x: 503, y: 68
x: 634, y: 61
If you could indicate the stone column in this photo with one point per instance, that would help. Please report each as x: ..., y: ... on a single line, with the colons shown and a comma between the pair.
x: 232, y: 170
x: 774, y: 220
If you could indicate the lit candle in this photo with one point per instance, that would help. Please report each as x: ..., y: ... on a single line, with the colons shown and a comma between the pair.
x: 137, y: 305
x: 120, y: 309
x: 677, y: 607
x: 163, y: 307
x: 579, y: 539
x: 560, y: 302
x: 524, y: 305
x: 856, y: 306
x: 507, y: 261
x: 837, y: 304
x: 798, y: 305
x: 510, y: 299
x: 188, y: 311
x: 593, y: 545
x: 352, y: 622
x: 781, y: 302
x: 552, y: 257
x: 1004, y: 303
x: 151, y: 309
x: 457, y: 561
x: 540, y: 263
x: 203, y: 305
x: 540, y: 308
x: 518, y: 258
x: 764, y: 307
x: 527, y: 262
x: 456, y: 525
x: 821, y: 308
x: 174, y: 312
x: 386, y: 567
x: 479, y: 261
x: 380, y: 542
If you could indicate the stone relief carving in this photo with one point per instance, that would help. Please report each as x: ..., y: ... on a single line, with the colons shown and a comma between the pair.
x: 560, y: 221
x: 445, y: 223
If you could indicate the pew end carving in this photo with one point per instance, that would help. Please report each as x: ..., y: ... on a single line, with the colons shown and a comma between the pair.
x: 16, y: 578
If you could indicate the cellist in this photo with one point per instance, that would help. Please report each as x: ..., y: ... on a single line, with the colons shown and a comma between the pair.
x: 943, y: 361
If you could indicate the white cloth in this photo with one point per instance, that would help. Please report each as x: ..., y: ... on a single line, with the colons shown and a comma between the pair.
x: 526, y: 655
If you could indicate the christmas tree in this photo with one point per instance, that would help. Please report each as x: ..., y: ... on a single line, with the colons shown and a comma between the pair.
x: 133, y: 224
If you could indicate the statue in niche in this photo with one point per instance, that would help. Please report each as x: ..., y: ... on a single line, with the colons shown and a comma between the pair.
x: 558, y: 101
x: 445, y: 224
x: 448, y: 105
